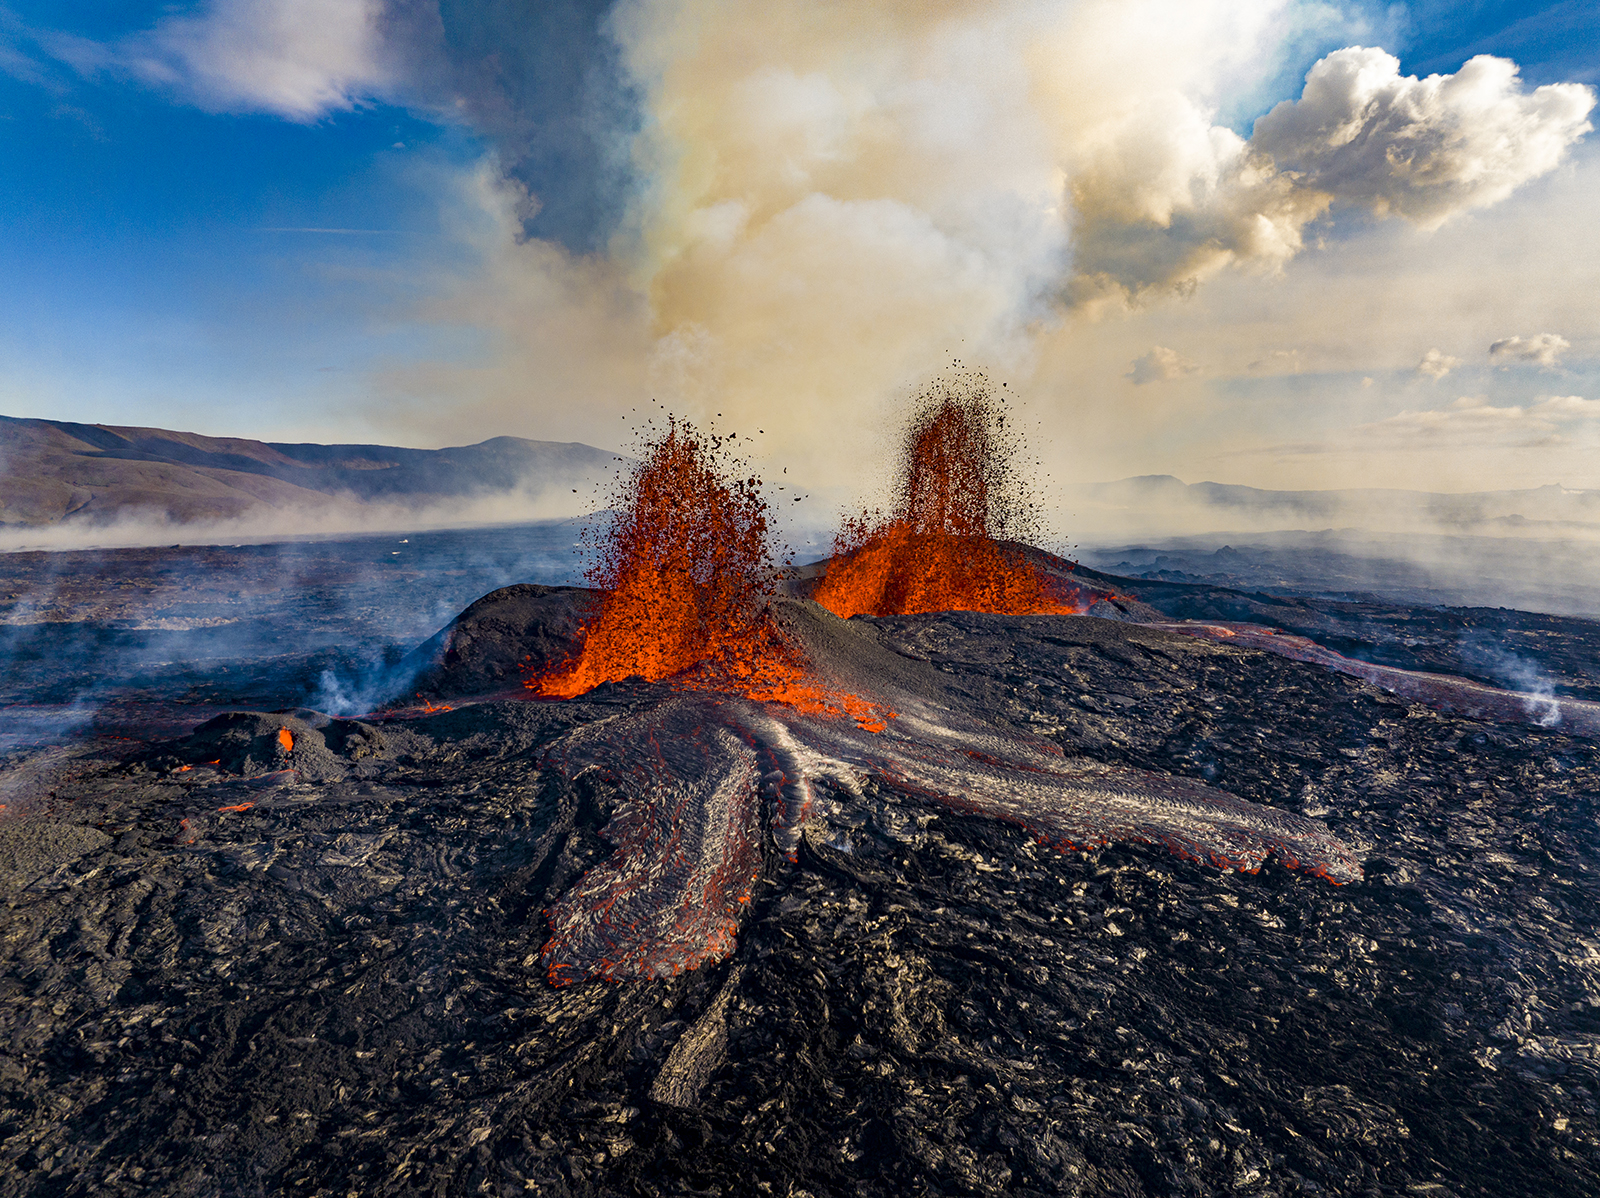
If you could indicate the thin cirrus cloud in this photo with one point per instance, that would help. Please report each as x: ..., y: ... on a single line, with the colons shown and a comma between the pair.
x: 1472, y: 420
x: 296, y: 59
x: 1543, y: 349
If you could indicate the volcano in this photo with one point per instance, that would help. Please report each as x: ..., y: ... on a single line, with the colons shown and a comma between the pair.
x: 944, y: 902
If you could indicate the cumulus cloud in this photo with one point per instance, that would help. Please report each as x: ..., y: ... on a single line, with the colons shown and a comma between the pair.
x: 1424, y: 149
x: 1436, y: 365
x: 298, y: 59
x: 1159, y: 365
x: 1165, y: 198
x: 1543, y: 348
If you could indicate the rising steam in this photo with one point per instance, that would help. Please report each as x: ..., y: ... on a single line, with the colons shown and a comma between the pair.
x: 826, y: 199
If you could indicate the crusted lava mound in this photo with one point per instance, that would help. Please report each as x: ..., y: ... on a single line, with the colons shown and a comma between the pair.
x: 234, y: 966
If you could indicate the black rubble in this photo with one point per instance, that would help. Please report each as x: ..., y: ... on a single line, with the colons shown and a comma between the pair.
x: 230, y: 968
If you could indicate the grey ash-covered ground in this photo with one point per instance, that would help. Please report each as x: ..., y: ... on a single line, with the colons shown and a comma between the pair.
x: 229, y: 980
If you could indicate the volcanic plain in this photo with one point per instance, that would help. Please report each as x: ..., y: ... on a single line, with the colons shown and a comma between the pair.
x: 260, y: 939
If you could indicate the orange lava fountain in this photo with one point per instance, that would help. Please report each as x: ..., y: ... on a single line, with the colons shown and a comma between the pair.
x: 940, y: 549
x: 686, y: 572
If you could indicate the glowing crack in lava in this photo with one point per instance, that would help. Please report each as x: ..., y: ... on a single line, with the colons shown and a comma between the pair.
x: 956, y: 499
x: 778, y: 708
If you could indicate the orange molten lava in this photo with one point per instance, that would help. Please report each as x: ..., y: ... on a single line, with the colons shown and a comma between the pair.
x: 686, y: 570
x: 286, y: 740
x: 940, y: 548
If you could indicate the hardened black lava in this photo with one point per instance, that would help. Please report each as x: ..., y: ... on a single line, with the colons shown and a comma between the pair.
x: 236, y: 966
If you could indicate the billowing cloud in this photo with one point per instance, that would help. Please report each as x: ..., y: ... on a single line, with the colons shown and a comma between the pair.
x: 798, y: 211
x: 1545, y: 349
x: 1424, y: 149
x: 1159, y: 365
x: 1436, y: 365
x: 1164, y: 198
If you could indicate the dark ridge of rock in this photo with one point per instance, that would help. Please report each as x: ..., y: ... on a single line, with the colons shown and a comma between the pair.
x: 499, y: 639
x: 253, y: 744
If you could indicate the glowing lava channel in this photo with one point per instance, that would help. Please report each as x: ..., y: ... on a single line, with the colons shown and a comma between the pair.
x: 695, y: 769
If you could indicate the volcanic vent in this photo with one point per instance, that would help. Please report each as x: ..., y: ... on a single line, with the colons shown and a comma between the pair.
x: 777, y: 703
x: 957, y: 500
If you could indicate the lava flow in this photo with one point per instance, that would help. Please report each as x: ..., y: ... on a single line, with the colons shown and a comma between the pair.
x: 780, y: 703
x: 956, y: 500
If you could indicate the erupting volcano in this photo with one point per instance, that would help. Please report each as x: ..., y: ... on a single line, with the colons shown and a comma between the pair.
x: 776, y: 700
x: 956, y: 499
x: 685, y: 569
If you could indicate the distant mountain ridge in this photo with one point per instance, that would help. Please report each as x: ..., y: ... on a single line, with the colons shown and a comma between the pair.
x: 1162, y: 500
x: 53, y: 471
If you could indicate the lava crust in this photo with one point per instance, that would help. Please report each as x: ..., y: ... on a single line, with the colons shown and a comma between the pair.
x: 230, y: 971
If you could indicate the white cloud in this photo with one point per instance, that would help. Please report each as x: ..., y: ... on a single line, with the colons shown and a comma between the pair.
x: 1164, y: 198
x: 1473, y: 420
x: 1436, y: 365
x: 1426, y: 148
x: 1159, y: 365
x: 1560, y: 407
x: 1544, y: 348
x: 298, y: 59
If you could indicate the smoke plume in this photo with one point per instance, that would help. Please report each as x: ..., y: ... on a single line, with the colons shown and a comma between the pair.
x: 821, y: 204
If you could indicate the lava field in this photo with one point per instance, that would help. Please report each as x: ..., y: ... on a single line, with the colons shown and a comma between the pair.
x: 264, y: 952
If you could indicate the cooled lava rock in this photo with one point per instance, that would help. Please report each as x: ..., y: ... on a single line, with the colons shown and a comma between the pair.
x: 501, y: 639
x: 333, y: 986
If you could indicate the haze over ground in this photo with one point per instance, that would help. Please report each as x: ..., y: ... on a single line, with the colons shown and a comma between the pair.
x: 1283, y: 245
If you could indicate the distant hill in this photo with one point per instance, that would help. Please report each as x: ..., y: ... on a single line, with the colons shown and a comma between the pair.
x: 1161, y: 504
x: 56, y: 471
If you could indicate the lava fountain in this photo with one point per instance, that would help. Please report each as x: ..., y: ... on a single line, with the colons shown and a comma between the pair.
x: 775, y: 708
x: 957, y: 500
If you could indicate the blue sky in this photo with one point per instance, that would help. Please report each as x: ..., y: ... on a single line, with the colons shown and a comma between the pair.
x: 158, y: 264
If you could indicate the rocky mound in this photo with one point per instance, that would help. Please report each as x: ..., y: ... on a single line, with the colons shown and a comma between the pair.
x: 492, y: 645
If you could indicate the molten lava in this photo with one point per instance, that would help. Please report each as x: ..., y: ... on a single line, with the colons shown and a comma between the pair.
x: 685, y: 570
x: 940, y: 549
x: 686, y: 573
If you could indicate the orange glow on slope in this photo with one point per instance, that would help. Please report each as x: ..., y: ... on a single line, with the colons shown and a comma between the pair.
x: 940, y: 550
x: 686, y: 572
x: 286, y: 740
